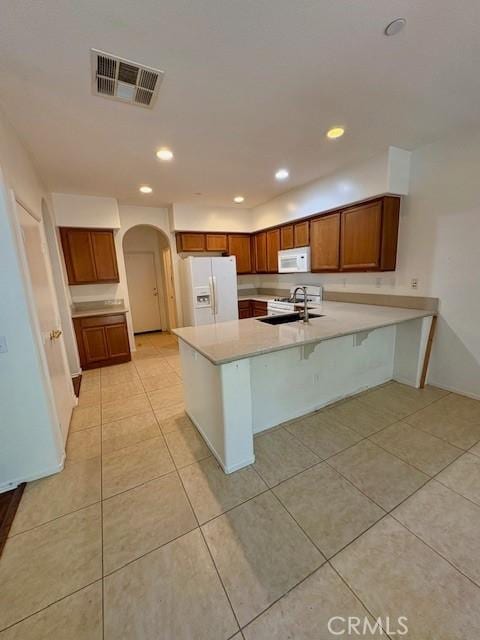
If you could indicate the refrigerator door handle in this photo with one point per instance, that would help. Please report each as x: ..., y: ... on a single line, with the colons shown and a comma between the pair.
x: 215, y: 300
x: 211, y: 284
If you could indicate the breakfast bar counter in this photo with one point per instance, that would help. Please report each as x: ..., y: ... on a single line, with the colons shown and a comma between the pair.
x: 244, y: 376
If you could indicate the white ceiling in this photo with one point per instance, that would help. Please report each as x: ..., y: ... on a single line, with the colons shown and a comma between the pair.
x: 250, y: 85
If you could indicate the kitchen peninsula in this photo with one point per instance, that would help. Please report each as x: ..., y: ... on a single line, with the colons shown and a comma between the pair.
x: 244, y: 376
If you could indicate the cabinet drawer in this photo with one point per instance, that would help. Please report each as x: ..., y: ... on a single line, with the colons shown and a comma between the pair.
x: 101, y: 321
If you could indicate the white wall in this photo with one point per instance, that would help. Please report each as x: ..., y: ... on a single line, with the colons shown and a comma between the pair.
x: 31, y: 443
x: 72, y: 210
x: 385, y: 173
x: 191, y: 217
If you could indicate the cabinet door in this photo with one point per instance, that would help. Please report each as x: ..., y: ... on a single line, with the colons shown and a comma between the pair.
x: 325, y: 242
x: 244, y: 309
x: 273, y: 247
x: 286, y: 237
x: 301, y: 234
x: 191, y: 242
x: 216, y: 242
x: 361, y: 234
x: 78, y: 254
x: 105, y: 256
x: 239, y: 246
x: 94, y: 344
x: 117, y: 340
x: 259, y: 308
x: 261, y: 252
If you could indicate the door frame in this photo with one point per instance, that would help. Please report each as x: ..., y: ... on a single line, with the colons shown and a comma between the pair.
x: 158, y: 288
x: 33, y: 310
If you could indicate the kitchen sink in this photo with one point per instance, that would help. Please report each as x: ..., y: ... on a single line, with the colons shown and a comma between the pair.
x: 285, y: 318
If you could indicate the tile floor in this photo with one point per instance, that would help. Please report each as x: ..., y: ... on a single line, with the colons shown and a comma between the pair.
x: 369, y: 508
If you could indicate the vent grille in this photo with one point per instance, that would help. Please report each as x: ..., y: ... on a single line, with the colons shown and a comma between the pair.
x: 111, y: 75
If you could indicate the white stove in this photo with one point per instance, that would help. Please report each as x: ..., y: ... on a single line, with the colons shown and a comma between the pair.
x: 286, y: 305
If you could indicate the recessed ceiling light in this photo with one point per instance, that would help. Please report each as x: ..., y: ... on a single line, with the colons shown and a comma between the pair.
x: 146, y: 189
x: 395, y: 27
x: 165, y: 154
x: 238, y: 199
x: 335, y: 132
x: 282, y: 174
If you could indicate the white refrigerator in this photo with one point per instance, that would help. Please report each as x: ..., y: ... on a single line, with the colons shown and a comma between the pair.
x: 209, y: 290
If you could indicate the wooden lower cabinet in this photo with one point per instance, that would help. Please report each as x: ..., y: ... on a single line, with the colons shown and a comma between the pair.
x: 102, y: 340
x: 251, y: 309
x: 244, y: 309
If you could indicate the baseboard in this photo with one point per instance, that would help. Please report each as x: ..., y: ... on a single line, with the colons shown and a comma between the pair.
x: 461, y: 392
x: 13, y: 484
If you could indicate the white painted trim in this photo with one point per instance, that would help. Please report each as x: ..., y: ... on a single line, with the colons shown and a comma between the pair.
x: 231, y: 468
x: 460, y: 392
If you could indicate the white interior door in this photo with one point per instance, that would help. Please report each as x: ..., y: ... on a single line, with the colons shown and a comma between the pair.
x: 48, y: 316
x: 143, y: 291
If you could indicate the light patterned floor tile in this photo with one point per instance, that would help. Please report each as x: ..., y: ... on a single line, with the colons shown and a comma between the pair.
x: 172, y: 411
x: 384, y: 478
x: 360, y: 418
x: 161, y: 381
x: 463, y: 476
x: 85, y: 418
x: 76, y: 617
x: 323, y: 435
x: 399, y: 399
x: 327, y: 507
x: 279, y: 455
x: 49, y: 562
x: 89, y: 398
x: 121, y: 391
x: 177, y: 422
x: 448, y: 523
x: 305, y: 612
x: 83, y: 445
x: 260, y: 553
x: 395, y: 574
x: 77, y: 486
x: 420, y: 449
x: 186, y: 446
x: 166, y: 397
x: 212, y: 492
x: 125, y: 407
x: 173, y: 593
x: 163, y: 511
x: 128, y: 431
x: 134, y: 465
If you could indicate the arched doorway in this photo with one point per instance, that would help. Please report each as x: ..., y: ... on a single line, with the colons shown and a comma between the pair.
x: 148, y: 265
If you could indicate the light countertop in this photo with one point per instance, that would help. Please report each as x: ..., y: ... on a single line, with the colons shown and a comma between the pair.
x: 99, y: 311
x: 258, y: 297
x: 238, y: 339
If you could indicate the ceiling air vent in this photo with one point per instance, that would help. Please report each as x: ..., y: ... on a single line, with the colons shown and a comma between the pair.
x: 124, y: 80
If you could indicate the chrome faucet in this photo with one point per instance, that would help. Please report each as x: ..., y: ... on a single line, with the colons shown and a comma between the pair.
x: 305, y: 307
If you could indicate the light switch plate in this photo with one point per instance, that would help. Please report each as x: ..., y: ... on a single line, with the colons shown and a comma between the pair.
x: 3, y: 344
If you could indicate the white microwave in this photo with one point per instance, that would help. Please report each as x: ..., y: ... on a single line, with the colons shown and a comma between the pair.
x: 294, y: 260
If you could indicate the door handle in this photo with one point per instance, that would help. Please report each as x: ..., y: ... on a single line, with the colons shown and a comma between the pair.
x: 55, y: 334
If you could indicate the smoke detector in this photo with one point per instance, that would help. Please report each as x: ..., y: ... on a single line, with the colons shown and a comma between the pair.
x: 123, y: 80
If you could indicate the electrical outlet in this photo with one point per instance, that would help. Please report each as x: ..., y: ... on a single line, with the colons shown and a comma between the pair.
x: 414, y: 283
x: 3, y: 344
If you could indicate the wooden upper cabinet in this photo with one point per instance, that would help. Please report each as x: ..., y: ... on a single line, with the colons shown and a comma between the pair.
x: 301, y: 234
x: 325, y: 242
x: 105, y: 256
x: 261, y: 252
x: 273, y: 247
x: 90, y: 255
x: 216, y: 242
x: 191, y: 242
x: 361, y: 237
x: 239, y: 246
x: 286, y: 237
